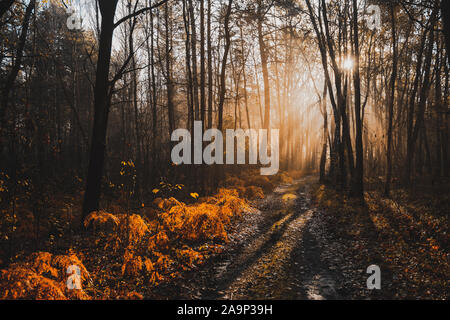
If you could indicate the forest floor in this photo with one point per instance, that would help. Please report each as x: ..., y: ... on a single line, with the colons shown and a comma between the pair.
x: 303, y: 240
x: 296, y: 245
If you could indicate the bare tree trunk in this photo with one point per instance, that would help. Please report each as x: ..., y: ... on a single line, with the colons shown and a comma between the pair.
x: 202, y: 62
x: 411, y: 107
x: 422, y: 102
x: 261, y: 117
x: 263, y: 55
x: 170, y: 85
x: 194, y: 61
x: 134, y: 86
x: 358, y: 183
x: 224, y: 65
x: 387, y: 187
x: 210, y: 68
x: 244, y: 76
x: 445, y: 13
x: 101, y: 105
x: 190, y: 102
x: 154, y: 96
x: 9, y: 84
x: 445, y: 141
x: 323, y: 156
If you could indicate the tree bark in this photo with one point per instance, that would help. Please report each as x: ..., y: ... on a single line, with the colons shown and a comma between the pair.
x: 202, y: 63
x: 265, y: 72
x: 101, y: 108
x: 224, y: 65
x: 9, y: 84
x: 387, y: 187
x: 445, y: 13
x: 194, y: 61
x: 210, y: 68
x: 169, y: 81
x: 358, y: 183
x: 422, y: 102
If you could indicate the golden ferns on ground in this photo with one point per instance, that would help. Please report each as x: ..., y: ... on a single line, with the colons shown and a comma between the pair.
x: 19, y: 282
x: 42, y: 276
x: 171, y: 238
x: 132, y: 265
x: 200, y: 222
x: 176, y: 225
x: 156, y: 248
x: 101, y: 221
x: 133, y: 226
x: 203, y: 221
x: 253, y: 186
x: 229, y: 198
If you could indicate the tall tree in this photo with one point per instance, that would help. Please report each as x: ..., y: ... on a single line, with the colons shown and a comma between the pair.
x: 210, y: 66
x: 202, y: 62
x: 260, y: 17
x: 391, y: 103
x: 358, y: 186
x: 224, y: 64
x: 102, y: 105
x: 17, y: 63
x: 102, y: 101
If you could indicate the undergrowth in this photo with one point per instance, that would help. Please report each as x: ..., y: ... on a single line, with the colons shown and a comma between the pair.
x: 128, y: 253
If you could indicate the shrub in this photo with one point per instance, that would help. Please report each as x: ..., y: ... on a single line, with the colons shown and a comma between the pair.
x: 132, y: 265
x: 210, y: 200
x: 194, y: 223
x: 42, y: 276
x: 148, y: 265
x: 133, y: 295
x: 134, y: 225
x: 150, y: 213
x: 261, y: 181
x: 101, y: 221
x: 20, y: 282
x: 253, y: 193
x: 286, y: 178
x: 62, y: 263
x: 165, y: 204
x: 189, y: 256
x: 41, y: 263
x: 230, y: 198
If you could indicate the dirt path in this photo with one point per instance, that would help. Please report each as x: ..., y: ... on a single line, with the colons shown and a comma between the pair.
x: 274, y: 253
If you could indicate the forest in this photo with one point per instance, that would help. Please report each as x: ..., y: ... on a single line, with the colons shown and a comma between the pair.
x: 224, y: 149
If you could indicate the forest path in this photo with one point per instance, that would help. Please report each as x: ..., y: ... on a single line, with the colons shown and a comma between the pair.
x: 273, y: 253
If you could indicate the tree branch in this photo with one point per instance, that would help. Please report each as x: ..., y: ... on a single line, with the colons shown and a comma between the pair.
x: 136, y: 13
